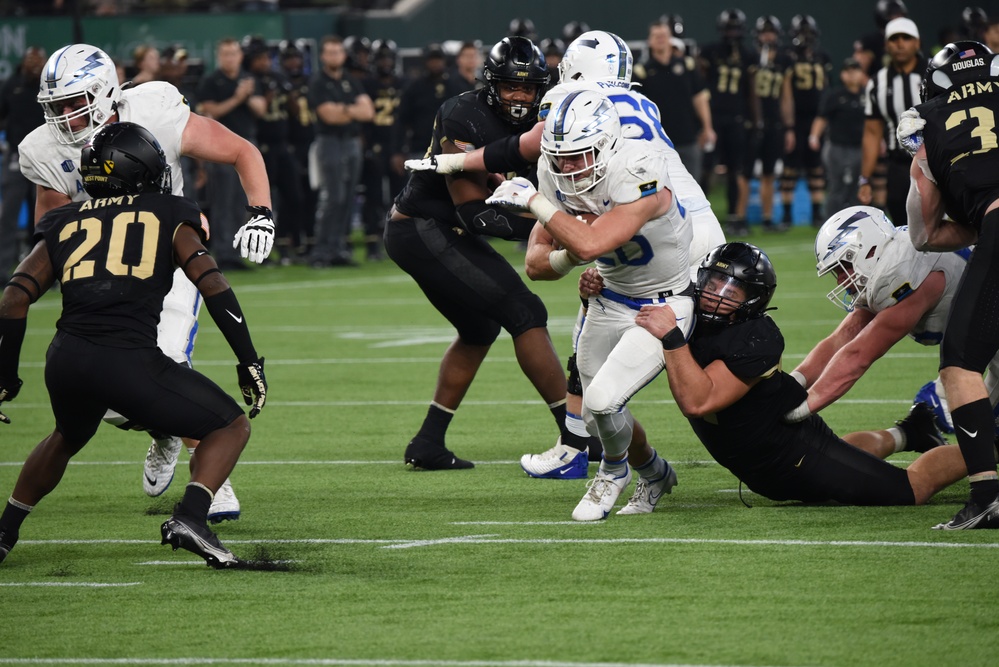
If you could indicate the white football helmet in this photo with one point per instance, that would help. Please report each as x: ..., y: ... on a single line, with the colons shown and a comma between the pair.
x: 584, y: 123
x: 852, y: 241
x: 597, y: 56
x: 78, y: 71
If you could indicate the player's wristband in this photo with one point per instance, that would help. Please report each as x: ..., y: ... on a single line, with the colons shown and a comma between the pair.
x: 560, y: 261
x: 799, y: 378
x: 862, y: 181
x: 542, y: 209
x: 674, y: 339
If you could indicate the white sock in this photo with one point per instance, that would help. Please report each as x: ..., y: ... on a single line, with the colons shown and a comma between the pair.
x: 899, y: 437
x: 576, y: 425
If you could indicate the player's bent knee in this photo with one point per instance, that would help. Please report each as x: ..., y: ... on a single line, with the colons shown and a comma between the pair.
x: 598, y: 401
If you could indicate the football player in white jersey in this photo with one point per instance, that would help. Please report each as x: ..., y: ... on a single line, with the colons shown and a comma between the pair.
x: 80, y: 92
x: 890, y: 290
x: 640, y: 239
x: 602, y: 61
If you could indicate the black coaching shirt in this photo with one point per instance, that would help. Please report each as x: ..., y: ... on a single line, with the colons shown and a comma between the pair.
x: 345, y: 90
x: 469, y: 122
x: 961, y: 142
x: 672, y: 86
x: 218, y: 87
x: 115, y: 260
x: 888, y: 94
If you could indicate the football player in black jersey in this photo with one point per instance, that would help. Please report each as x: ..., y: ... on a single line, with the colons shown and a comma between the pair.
x: 953, y: 202
x: 114, y: 256
x: 435, y: 233
x: 727, y: 380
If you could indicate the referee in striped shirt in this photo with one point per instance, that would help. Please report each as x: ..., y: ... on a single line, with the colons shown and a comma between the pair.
x: 892, y: 90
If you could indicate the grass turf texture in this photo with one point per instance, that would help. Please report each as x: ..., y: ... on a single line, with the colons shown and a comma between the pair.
x: 481, y: 566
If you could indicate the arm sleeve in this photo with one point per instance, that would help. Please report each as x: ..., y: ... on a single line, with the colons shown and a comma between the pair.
x: 225, y: 310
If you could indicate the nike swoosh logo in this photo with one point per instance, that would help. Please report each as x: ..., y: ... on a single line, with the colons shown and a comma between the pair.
x: 151, y: 480
x: 798, y: 464
x: 562, y: 472
x: 607, y: 202
x: 969, y: 433
x: 239, y: 320
x: 934, y: 402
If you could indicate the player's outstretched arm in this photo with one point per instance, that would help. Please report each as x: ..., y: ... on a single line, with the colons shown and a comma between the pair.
x: 201, y: 269
x: 34, y: 275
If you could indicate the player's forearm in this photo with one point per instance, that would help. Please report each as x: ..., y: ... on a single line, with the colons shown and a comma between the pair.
x: 249, y: 165
x: 228, y: 316
x: 844, y: 369
x: 817, y: 360
x: 690, y: 385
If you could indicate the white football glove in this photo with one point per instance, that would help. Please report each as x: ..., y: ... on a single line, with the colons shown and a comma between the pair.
x: 255, y: 239
x: 513, y: 194
x: 445, y: 163
x: 910, y: 130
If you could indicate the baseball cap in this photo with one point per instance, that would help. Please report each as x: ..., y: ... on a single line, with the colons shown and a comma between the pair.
x: 901, y: 26
x: 852, y: 63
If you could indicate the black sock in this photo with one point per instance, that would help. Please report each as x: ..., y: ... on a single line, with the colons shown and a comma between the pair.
x: 580, y: 442
x: 816, y: 211
x: 435, y: 424
x: 974, y: 426
x: 195, y: 502
x: 558, y: 412
x: 12, y: 517
x: 788, y: 213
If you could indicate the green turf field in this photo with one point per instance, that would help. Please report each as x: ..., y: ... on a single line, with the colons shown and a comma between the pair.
x: 480, y: 567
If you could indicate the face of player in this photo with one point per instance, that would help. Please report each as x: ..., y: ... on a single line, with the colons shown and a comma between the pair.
x: 767, y: 38
x: 844, y: 275
x: 67, y: 107
x: 579, y: 165
x: 722, y: 295
x: 517, y: 96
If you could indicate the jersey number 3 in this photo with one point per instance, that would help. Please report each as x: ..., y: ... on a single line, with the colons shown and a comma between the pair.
x: 984, y: 132
x: 92, y: 229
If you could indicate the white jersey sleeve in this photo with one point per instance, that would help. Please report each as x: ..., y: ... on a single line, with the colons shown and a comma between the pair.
x: 46, y: 162
x: 901, y: 270
x: 162, y: 109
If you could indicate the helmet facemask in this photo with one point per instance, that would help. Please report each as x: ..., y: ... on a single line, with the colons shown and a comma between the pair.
x: 583, y: 125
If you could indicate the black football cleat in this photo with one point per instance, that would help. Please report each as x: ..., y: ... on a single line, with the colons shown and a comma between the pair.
x: 920, y: 428
x: 183, y: 532
x: 974, y: 516
x: 8, y: 538
x: 423, y: 454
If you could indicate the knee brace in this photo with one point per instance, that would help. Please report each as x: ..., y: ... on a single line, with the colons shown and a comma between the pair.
x: 575, y: 384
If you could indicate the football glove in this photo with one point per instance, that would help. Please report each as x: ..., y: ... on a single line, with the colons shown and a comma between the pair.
x: 910, y: 130
x: 514, y: 194
x: 255, y: 239
x: 445, y: 163
x: 253, y: 384
x: 8, y: 392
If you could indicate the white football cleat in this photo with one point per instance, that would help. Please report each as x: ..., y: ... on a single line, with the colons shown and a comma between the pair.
x: 601, y: 494
x: 161, y: 459
x: 559, y: 462
x: 225, y: 505
x: 647, y: 494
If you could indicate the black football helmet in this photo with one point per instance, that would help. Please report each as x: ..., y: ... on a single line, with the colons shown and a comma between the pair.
x: 768, y: 23
x: 886, y: 10
x: 804, y: 30
x: 735, y: 265
x: 732, y: 23
x: 675, y: 23
x: 384, y: 54
x: 552, y: 47
x: 955, y: 64
x: 124, y: 159
x: 522, y: 27
x: 975, y: 21
x: 572, y: 30
x: 515, y: 60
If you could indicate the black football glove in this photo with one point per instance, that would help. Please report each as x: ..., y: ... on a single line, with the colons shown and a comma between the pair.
x: 8, y: 392
x: 253, y: 384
